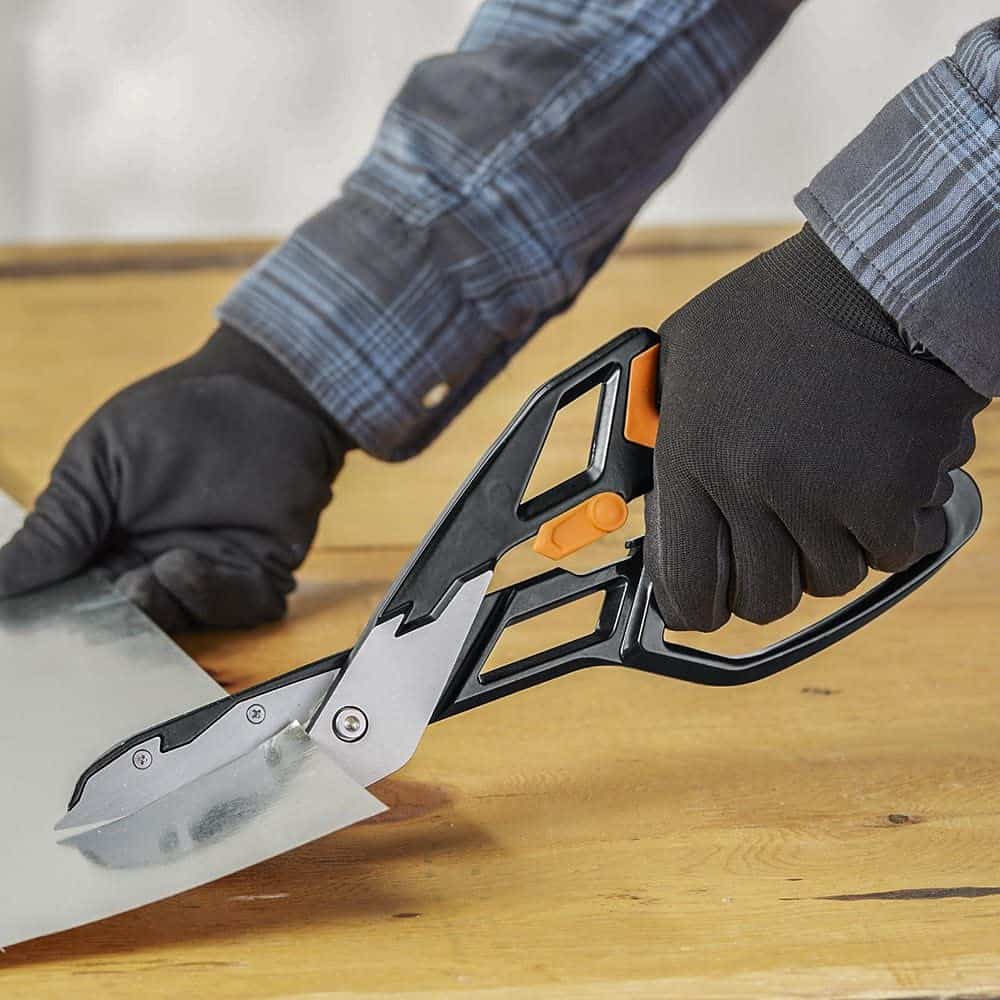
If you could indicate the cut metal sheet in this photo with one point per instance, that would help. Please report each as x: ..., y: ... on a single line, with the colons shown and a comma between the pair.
x: 80, y: 669
x: 11, y: 517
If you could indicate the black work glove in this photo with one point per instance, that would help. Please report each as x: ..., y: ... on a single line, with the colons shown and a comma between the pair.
x: 800, y: 442
x: 198, y: 489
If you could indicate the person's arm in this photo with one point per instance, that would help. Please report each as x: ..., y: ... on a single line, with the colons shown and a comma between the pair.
x: 815, y: 399
x: 501, y: 178
x: 911, y: 207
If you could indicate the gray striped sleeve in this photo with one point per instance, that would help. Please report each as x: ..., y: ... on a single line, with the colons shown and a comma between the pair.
x: 912, y: 208
x: 501, y: 177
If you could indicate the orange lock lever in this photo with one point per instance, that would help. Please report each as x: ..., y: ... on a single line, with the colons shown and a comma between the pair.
x: 580, y: 525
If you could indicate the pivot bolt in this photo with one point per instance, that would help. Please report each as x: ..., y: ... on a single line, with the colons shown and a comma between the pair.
x: 256, y: 714
x: 141, y: 759
x: 350, y: 724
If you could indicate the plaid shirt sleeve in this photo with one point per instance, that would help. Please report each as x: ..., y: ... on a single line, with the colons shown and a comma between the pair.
x: 912, y: 208
x: 501, y: 177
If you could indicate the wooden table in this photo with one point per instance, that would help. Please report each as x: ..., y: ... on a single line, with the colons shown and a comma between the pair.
x: 833, y: 831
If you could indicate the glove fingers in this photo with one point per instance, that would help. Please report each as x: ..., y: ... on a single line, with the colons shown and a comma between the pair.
x: 832, y: 564
x: 959, y: 455
x: 767, y: 578
x: 181, y: 590
x: 932, y: 531
x: 943, y: 491
x: 141, y: 587
x: 965, y: 445
x: 67, y: 528
x: 687, y: 556
x: 900, y: 546
x: 914, y: 526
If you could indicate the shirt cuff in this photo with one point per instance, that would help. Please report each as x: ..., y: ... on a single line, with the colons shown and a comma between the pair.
x: 338, y: 303
x: 912, y: 208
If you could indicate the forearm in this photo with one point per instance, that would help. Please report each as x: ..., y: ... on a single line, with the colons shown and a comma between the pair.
x: 500, y: 179
x: 912, y: 208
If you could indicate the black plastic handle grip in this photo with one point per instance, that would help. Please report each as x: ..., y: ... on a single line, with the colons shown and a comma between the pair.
x: 644, y: 646
x: 488, y: 516
x: 486, y: 519
x: 630, y: 630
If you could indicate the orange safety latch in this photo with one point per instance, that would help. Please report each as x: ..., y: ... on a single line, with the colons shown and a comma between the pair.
x: 580, y: 525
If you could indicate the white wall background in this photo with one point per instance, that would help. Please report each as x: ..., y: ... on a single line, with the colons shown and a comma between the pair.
x: 124, y: 120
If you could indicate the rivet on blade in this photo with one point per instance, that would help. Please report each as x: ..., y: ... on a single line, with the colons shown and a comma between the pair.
x: 256, y: 714
x: 350, y: 724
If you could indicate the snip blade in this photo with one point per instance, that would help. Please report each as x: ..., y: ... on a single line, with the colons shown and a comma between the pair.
x: 284, y: 793
x: 141, y: 771
x: 232, y: 817
x: 80, y: 669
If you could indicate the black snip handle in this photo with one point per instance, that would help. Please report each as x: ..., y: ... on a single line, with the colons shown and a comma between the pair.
x: 629, y: 630
x: 488, y: 516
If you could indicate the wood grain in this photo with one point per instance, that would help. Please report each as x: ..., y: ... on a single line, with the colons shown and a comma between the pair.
x: 833, y: 831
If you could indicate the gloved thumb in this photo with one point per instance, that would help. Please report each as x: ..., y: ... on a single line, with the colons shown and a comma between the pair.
x: 183, y: 590
x: 67, y: 529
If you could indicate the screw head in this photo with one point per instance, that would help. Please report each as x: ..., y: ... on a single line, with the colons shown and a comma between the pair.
x: 350, y: 724
x: 256, y: 714
x: 141, y: 759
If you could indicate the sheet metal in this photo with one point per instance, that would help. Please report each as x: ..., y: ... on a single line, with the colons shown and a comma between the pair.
x: 80, y: 669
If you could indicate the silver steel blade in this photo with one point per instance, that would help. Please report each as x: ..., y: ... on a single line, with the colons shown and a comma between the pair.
x: 280, y: 795
x: 393, y: 683
x: 395, y: 679
x: 122, y: 786
x: 80, y: 670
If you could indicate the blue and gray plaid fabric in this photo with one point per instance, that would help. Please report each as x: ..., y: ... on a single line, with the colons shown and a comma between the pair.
x: 500, y: 179
x: 504, y: 174
x: 912, y: 207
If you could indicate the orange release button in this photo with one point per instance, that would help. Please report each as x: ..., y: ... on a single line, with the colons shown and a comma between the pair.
x: 580, y: 525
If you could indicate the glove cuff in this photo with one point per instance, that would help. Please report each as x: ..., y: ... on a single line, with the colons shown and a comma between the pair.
x: 806, y: 264
x: 229, y: 352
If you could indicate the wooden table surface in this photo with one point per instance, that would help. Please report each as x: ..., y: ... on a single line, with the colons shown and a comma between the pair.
x: 832, y: 831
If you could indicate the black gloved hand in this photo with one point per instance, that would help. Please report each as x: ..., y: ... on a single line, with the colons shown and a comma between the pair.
x: 198, y: 488
x: 799, y: 443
